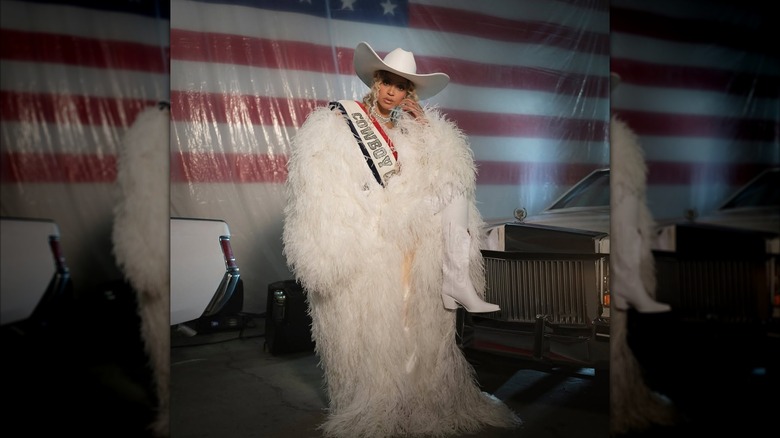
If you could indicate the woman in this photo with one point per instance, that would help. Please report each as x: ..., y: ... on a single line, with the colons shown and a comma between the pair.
x: 382, y: 230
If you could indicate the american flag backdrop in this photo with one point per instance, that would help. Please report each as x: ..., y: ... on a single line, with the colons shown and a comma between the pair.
x: 701, y: 88
x: 75, y: 74
x: 529, y: 85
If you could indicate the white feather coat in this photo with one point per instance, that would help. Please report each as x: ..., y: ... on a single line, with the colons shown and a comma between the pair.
x: 634, y: 406
x: 388, y: 351
x: 140, y: 239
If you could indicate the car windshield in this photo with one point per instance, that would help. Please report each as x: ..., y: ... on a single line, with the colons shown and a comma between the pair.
x: 761, y: 192
x: 593, y: 191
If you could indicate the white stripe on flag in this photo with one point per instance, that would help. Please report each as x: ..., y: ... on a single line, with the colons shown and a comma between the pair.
x: 641, y: 48
x: 694, y: 102
x: 33, y: 77
x: 708, y: 150
x: 41, y: 137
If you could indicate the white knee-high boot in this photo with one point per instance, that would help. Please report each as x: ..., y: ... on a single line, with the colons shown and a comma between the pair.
x: 457, y: 287
x: 633, y: 267
x: 628, y: 262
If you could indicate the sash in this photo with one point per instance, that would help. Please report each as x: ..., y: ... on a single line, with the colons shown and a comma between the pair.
x: 377, y: 149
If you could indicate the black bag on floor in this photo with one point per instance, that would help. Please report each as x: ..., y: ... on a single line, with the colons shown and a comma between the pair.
x: 287, y: 323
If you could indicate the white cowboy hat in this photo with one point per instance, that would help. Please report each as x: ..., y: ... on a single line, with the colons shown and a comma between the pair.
x: 400, y: 62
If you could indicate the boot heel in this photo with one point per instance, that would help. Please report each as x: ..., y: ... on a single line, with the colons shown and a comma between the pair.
x: 449, y: 302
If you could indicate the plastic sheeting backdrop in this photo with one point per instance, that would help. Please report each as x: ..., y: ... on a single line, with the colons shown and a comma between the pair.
x: 529, y: 85
x: 75, y: 74
x: 701, y: 88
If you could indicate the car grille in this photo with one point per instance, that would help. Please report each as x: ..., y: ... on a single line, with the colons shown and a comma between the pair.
x: 555, y: 288
x: 716, y: 289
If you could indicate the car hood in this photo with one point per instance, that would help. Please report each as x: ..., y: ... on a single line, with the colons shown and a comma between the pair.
x: 755, y: 218
x: 536, y: 238
x: 590, y: 219
x: 705, y: 238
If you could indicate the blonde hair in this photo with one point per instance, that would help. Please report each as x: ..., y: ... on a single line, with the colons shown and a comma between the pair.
x: 379, y: 76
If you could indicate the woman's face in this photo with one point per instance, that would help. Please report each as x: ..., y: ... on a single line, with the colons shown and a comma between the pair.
x: 392, y: 90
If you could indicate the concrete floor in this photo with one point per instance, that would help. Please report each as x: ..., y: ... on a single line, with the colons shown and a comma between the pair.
x: 83, y: 373
x: 78, y: 371
x: 722, y: 379
x: 224, y: 384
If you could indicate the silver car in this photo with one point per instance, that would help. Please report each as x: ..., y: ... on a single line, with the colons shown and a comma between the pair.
x: 207, y: 291
x: 549, y: 273
x: 36, y: 282
x: 724, y: 266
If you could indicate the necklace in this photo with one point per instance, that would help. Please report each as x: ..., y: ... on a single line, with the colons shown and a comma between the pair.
x: 382, y: 119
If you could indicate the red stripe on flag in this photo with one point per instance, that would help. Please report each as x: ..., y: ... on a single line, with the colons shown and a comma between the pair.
x: 257, y: 52
x: 687, y: 125
x: 524, y: 125
x: 228, y: 168
x: 233, y: 109
x: 443, y: 19
x: 291, y: 55
x: 696, y: 78
x: 57, y: 168
x: 82, y: 51
x: 520, y: 78
x: 65, y: 108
